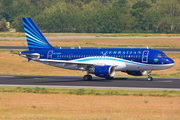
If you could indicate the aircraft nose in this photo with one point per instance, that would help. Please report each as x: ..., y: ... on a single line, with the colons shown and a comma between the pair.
x: 170, y: 61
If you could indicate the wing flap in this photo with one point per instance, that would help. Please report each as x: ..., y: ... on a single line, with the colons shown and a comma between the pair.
x: 81, y: 64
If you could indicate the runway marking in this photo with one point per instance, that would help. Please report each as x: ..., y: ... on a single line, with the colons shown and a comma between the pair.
x: 40, y: 78
x: 162, y: 81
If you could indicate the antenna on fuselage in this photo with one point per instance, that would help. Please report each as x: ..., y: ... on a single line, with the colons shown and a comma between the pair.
x: 60, y: 48
x: 147, y: 47
x: 79, y: 47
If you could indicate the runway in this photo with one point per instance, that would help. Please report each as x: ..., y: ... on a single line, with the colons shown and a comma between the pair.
x: 130, y: 83
x: 166, y: 50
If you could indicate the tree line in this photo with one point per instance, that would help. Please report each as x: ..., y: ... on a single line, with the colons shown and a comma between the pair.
x: 95, y: 16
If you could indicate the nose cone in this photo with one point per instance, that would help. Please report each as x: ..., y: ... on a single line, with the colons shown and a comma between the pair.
x: 169, y: 62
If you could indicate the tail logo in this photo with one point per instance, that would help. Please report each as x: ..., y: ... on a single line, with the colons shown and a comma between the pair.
x: 35, y: 38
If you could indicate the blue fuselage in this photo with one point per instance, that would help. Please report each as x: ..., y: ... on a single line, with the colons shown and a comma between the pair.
x: 136, y: 56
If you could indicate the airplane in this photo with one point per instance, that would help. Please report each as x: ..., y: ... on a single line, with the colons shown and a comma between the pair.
x: 102, y: 62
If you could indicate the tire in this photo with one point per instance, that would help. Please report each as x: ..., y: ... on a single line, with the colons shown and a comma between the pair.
x: 109, y: 78
x: 150, y: 79
x: 90, y: 77
x: 87, y: 78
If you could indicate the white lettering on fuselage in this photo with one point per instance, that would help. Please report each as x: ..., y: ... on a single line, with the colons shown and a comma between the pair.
x: 121, y: 52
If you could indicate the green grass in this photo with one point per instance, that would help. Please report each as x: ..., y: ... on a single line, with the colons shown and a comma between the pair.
x: 11, y: 35
x: 157, y: 93
x: 20, y: 35
x: 138, y: 35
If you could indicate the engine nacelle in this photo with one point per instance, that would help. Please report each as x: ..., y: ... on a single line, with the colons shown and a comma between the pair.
x: 104, y: 71
x: 136, y: 73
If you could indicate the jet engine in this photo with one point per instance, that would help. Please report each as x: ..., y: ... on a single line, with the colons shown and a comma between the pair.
x: 136, y: 73
x: 104, y: 71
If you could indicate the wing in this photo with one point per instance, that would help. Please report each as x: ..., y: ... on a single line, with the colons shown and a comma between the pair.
x: 85, y: 65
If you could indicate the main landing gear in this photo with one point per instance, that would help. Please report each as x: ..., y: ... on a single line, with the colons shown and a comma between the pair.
x: 87, y: 77
x: 149, y: 76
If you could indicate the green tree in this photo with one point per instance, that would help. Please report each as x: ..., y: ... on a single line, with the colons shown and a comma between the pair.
x: 3, y: 26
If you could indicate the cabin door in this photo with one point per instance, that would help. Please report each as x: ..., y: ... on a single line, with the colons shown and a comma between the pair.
x: 50, y: 54
x: 145, y: 56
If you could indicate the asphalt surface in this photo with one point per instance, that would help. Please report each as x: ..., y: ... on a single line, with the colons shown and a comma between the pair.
x: 134, y: 83
x: 86, y: 37
x: 167, y: 50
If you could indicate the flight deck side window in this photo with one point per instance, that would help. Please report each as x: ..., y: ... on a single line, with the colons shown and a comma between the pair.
x: 163, y: 55
x: 160, y: 55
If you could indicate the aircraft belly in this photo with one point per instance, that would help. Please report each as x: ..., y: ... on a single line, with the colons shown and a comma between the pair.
x: 130, y: 66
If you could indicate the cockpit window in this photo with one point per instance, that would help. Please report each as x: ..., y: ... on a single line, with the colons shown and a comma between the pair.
x: 163, y: 55
x: 160, y: 55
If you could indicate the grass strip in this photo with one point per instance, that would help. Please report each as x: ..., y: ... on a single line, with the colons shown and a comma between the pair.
x: 138, y: 35
x: 156, y: 93
x: 20, y: 35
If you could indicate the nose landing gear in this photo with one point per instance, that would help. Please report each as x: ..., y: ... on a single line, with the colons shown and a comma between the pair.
x: 149, y: 76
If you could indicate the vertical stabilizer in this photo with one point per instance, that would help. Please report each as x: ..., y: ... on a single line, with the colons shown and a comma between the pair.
x: 35, y: 38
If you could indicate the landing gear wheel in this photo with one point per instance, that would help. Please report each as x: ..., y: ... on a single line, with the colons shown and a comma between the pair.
x: 90, y: 77
x: 150, y: 78
x: 87, y: 77
x: 109, y: 78
x: 149, y: 75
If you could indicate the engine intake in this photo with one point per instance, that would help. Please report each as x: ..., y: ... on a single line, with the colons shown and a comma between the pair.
x: 136, y: 73
x: 104, y: 71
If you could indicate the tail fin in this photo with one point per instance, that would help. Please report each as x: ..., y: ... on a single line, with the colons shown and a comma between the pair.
x: 35, y: 38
